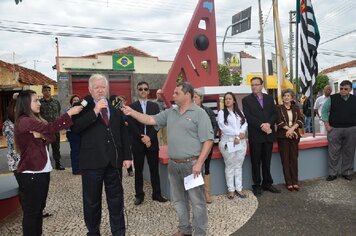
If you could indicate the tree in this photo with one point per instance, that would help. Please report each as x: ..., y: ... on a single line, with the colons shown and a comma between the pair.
x: 236, y: 79
x: 224, y: 75
x: 321, y: 81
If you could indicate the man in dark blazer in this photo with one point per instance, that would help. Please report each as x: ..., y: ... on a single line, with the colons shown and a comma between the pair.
x: 104, y: 150
x: 145, y: 143
x: 261, y: 115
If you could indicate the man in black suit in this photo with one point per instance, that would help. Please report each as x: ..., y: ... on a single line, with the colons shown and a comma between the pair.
x: 145, y: 143
x: 261, y: 115
x: 104, y: 150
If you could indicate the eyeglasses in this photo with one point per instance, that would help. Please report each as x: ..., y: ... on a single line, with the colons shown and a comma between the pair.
x: 143, y: 89
x: 341, y: 88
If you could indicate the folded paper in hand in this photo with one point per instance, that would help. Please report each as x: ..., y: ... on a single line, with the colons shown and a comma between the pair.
x: 191, y: 182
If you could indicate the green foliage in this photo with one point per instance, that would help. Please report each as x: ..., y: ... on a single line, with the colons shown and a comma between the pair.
x: 236, y: 79
x: 224, y: 75
x: 321, y: 81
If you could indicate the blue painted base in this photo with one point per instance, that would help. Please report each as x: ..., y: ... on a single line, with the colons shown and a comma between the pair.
x: 312, y: 164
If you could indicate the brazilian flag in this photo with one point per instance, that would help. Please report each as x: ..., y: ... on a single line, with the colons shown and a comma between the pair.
x: 123, y: 62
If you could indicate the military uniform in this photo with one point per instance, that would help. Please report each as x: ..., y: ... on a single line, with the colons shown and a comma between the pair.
x: 50, y: 111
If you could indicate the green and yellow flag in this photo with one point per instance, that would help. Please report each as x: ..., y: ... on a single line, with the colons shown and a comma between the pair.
x: 123, y: 62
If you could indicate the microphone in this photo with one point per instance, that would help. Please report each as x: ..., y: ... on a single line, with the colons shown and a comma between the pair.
x: 86, y: 100
x: 104, y: 98
x: 84, y: 103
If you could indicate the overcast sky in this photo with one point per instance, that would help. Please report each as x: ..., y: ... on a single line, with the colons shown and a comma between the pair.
x: 156, y: 27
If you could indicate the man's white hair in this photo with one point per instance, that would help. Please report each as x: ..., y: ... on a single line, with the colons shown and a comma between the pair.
x: 97, y: 77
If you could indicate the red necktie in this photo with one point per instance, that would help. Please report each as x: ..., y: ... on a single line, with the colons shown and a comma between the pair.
x: 104, y: 115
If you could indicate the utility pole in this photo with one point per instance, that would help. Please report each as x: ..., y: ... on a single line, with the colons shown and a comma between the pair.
x: 264, y: 77
x: 291, y: 41
x: 57, y: 56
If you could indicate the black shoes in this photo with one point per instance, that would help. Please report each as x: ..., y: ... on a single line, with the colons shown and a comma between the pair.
x: 138, y: 200
x: 347, y: 177
x: 159, y: 199
x: 257, y: 190
x: 46, y: 214
x: 331, y: 177
x: 271, y: 189
x: 59, y: 167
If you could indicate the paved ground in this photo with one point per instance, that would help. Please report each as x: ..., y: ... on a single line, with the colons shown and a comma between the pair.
x: 320, y: 208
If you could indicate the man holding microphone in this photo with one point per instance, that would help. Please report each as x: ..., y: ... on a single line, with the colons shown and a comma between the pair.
x: 104, y: 150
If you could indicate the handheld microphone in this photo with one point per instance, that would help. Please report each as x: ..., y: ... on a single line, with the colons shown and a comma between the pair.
x: 84, y: 103
x: 104, y: 98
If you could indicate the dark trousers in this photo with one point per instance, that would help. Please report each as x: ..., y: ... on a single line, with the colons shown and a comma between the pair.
x: 74, y: 142
x: 261, y: 153
x: 153, y: 164
x: 34, y: 190
x: 55, y: 148
x: 92, y: 183
x: 288, y: 149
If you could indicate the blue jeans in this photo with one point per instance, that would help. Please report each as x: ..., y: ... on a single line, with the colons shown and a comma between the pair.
x: 180, y: 198
x: 308, y: 124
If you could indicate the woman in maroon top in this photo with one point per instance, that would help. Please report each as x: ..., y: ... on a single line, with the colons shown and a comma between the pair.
x: 32, y: 135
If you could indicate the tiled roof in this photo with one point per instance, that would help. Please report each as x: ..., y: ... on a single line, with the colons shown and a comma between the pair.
x: 128, y: 50
x: 28, y: 76
x: 339, y: 67
x: 246, y: 55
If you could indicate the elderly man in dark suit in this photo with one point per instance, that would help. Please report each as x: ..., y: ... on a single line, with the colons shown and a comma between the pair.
x: 145, y: 144
x: 261, y: 115
x: 104, y: 150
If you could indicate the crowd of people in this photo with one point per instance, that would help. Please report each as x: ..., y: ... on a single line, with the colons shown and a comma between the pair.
x: 106, y: 135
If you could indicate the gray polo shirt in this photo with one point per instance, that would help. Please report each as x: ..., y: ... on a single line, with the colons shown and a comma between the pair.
x: 185, y: 132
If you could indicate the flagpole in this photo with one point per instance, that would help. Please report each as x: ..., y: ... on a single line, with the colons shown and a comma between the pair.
x: 312, y: 106
x: 297, y: 58
x: 276, y: 49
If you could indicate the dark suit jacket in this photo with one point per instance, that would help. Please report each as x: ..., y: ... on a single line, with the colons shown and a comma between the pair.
x: 100, y: 144
x: 137, y: 128
x: 256, y: 115
x: 283, y: 120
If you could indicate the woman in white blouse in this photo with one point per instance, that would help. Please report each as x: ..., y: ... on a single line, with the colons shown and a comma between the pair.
x: 233, y: 126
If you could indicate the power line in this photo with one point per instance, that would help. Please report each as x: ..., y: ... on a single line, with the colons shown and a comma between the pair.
x: 337, y: 37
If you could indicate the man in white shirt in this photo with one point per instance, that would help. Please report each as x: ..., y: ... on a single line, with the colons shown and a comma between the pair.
x: 318, y: 106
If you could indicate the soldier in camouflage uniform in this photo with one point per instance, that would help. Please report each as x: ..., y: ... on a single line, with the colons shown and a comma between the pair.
x: 50, y: 111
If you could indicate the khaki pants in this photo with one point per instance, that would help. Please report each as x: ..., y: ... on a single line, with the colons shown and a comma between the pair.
x: 162, y: 136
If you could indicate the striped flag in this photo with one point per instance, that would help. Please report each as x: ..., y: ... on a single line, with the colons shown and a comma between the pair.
x: 309, y: 41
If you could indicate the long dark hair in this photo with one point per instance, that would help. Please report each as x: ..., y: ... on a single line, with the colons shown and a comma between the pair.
x: 23, y: 105
x: 236, y: 109
x: 10, y: 111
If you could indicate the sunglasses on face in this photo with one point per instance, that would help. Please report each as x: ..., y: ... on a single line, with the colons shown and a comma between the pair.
x: 341, y: 88
x: 143, y: 89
